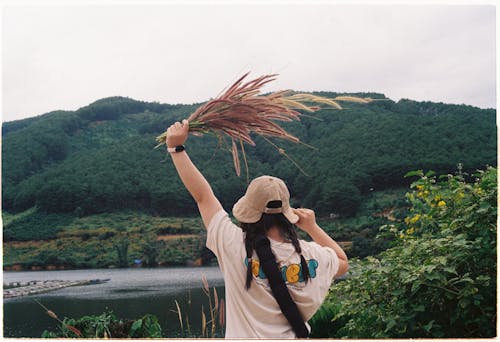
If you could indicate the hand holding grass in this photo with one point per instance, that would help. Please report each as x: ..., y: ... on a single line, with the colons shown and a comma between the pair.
x: 177, y: 133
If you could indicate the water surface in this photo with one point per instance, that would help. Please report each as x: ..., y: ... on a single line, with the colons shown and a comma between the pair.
x: 131, y: 293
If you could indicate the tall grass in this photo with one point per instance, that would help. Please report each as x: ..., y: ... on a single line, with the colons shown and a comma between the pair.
x: 216, y: 314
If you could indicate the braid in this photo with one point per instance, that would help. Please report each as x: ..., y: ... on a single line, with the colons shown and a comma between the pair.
x: 250, y: 235
x: 249, y: 249
x: 292, y: 234
x: 251, y: 230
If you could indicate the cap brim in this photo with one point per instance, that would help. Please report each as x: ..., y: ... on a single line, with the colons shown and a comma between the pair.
x: 244, y: 213
x: 291, y: 216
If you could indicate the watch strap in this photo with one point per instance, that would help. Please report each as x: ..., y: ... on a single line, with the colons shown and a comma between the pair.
x: 176, y: 149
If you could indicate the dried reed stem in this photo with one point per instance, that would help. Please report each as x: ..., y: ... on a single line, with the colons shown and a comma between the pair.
x: 241, y: 111
x: 53, y: 315
x: 179, y: 314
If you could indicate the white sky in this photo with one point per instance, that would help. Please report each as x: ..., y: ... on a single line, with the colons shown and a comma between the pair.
x: 65, y: 57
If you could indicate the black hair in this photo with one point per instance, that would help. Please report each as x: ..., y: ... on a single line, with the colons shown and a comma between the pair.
x: 258, y: 230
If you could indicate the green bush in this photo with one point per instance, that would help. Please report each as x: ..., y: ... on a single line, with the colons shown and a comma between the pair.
x: 439, y: 278
x: 107, y: 325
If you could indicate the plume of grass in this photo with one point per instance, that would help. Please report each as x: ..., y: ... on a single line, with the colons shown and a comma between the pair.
x: 240, y: 111
x: 216, y: 300
x: 203, y: 322
x: 53, y: 315
x: 205, y: 284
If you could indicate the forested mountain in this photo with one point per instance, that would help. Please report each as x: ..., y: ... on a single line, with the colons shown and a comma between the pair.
x: 101, y: 157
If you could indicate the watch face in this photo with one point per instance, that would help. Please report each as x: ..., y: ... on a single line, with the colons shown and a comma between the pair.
x: 179, y: 148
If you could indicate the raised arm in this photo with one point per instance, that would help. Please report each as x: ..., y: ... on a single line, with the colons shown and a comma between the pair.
x: 307, y: 222
x: 192, y: 178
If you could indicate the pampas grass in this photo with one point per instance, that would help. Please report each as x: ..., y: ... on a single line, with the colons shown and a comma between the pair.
x: 241, y: 110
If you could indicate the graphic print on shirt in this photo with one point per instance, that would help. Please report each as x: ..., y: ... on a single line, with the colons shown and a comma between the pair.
x: 291, y: 274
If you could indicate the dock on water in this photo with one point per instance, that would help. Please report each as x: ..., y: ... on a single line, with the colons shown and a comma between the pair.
x: 18, y: 289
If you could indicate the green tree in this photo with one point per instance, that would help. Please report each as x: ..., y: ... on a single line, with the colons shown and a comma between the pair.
x: 121, y: 245
x: 150, y: 251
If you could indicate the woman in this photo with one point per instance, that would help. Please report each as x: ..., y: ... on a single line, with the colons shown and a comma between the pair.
x: 274, y: 282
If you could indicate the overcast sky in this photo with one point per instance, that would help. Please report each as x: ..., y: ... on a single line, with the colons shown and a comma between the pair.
x: 56, y: 57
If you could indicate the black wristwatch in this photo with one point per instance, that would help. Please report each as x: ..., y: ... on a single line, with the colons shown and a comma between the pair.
x: 176, y: 149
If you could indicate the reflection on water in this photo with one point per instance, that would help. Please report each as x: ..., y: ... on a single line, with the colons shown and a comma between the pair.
x: 131, y: 293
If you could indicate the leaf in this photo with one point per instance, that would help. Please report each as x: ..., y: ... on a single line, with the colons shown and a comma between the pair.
x: 415, y: 286
x: 203, y: 322
x: 450, y: 270
x: 390, y: 324
x: 434, y: 276
x: 151, y: 326
x: 397, y: 292
x: 216, y: 300
x: 205, y: 283
x: 483, y: 208
x: 430, y: 173
x: 419, y: 173
x: 135, y: 327
x: 428, y: 326
x: 429, y: 268
x: 464, y: 302
x: 470, y: 224
x: 179, y: 313
x: 419, y: 308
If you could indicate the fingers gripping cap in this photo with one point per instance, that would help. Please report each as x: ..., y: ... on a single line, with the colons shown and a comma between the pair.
x: 260, y: 192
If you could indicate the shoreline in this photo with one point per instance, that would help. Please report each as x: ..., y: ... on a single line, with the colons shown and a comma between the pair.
x: 65, y: 268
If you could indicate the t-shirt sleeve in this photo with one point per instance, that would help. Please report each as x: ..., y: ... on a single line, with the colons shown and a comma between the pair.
x: 224, y: 238
x: 328, y: 261
x: 331, y: 262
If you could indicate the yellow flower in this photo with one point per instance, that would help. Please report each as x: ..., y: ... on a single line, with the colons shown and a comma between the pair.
x: 420, y: 194
x: 441, y: 203
x: 410, y: 231
x: 415, y: 218
x: 461, y: 195
x: 401, y: 235
x: 426, y: 192
x: 437, y: 198
x: 407, y: 220
x: 420, y: 187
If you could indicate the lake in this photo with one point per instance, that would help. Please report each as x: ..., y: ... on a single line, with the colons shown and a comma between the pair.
x: 131, y: 293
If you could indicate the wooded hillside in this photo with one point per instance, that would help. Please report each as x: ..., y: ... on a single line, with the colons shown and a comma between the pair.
x: 100, y: 158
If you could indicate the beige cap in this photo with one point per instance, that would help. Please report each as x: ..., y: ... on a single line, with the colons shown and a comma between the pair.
x: 261, y: 191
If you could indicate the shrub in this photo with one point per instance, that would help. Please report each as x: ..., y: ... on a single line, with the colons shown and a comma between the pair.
x: 439, y: 278
x: 107, y: 325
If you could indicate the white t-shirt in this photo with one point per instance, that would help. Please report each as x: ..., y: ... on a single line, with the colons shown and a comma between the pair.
x: 255, y: 313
